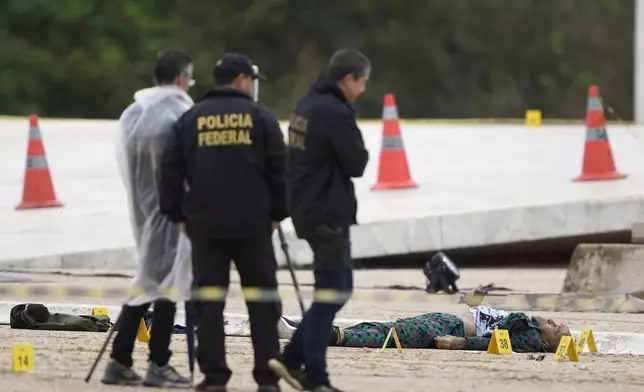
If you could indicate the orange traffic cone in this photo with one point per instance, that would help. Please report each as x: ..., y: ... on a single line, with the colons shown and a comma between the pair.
x: 38, y: 190
x: 598, y: 158
x: 393, y: 170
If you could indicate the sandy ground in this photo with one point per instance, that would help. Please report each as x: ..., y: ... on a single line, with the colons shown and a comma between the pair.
x: 62, y: 359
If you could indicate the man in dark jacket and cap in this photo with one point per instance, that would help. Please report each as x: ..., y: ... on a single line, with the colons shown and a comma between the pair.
x: 222, y: 180
x: 325, y: 151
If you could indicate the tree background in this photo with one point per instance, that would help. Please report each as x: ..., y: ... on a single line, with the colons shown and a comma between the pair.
x: 441, y: 58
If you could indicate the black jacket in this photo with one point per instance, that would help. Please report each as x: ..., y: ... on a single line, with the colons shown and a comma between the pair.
x: 325, y: 150
x: 222, y: 169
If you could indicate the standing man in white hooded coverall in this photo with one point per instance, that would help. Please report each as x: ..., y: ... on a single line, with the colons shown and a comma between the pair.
x: 163, y: 258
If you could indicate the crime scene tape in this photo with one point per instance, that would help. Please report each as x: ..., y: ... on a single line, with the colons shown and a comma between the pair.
x: 573, y: 302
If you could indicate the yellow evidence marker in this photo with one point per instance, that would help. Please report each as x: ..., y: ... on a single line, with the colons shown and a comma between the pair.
x: 99, y: 312
x: 23, y: 358
x: 533, y: 118
x: 566, y: 347
x: 393, y: 332
x: 586, y: 337
x: 142, y: 335
x: 500, y: 343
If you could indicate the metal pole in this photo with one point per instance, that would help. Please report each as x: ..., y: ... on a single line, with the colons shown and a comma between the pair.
x: 190, y: 338
x: 291, y: 268
x: 103, y: 348
x: 638, y: 67
x: 282, y: 237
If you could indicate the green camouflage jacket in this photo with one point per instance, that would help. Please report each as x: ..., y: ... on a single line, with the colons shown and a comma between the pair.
x: 524, y: 331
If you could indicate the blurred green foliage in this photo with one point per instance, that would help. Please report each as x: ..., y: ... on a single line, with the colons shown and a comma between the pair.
x: 441, y: 58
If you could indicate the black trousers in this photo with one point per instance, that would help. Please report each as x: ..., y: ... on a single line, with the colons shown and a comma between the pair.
x: 257, y: 267
x: 160, y: 336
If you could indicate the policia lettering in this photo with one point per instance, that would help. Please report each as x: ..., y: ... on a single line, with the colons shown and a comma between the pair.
x: 230, y: 129
x: 297, y: 132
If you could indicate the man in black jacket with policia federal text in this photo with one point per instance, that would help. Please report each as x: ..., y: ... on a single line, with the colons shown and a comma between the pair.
x: 222, y: 178
x: 325, y: 150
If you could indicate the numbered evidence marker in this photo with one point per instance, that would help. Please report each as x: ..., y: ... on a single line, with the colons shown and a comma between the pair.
x: 99, y: 312
x: 23, y: 358
x: 142, y: 334
x: 533, y: 118
x: 586, y: 337
x: 393, y: 332
x: 500, y: 342
x: 566, y: 347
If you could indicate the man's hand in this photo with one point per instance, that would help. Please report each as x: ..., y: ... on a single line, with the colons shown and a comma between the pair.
x: 274, y: 226
x: 450, y: 342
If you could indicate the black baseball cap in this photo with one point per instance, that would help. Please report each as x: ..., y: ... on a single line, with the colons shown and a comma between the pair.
x: 233, y: 64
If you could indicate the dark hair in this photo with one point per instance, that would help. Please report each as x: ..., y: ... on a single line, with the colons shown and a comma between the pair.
x: 345, y: 62
x: 170, y: 63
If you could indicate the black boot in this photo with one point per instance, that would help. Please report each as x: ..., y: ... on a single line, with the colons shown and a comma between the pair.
x: 269, y: 388
x: 323, y: 388
x: 210, y: 386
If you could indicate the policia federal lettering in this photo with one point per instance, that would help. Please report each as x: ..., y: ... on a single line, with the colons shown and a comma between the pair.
x: 229, y: 129
x: 297, y: 132
x: 230, y: 152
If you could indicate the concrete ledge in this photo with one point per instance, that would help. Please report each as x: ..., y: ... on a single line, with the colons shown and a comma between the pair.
x: 476, y: 228
x: 617, y: 343
x: 637, y: 233
x: 601, y: 268
x: 105, y: 259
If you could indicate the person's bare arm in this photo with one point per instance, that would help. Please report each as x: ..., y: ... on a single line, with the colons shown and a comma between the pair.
x: 450, y: 342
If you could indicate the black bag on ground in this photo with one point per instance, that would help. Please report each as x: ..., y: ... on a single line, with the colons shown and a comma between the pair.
x: 441, y: 274
x: 37, y: 316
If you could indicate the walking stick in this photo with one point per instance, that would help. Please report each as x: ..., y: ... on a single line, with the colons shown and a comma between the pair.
x: 283, y: 242
x: 289, y: 263
x: 100, y: 353
x: 190, y: 338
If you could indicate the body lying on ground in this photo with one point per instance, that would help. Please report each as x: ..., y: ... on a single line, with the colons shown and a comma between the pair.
x: 471, y: 330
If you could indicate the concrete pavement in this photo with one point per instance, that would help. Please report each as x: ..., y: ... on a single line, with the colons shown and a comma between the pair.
x: 479, y: 185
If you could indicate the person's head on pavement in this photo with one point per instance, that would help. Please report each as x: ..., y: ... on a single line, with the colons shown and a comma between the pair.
x: 350, y: 69
x: 552, y: 332
x: 174, y: 67
x: 235, y: 71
